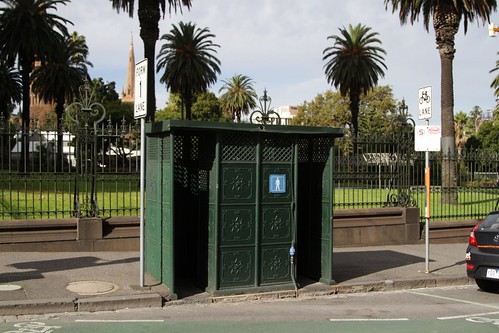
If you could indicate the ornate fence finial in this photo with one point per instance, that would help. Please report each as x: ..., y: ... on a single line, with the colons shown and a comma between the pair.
x: 265, y: 115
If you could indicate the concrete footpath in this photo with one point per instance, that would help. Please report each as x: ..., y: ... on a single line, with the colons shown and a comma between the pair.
x: 48, y: 282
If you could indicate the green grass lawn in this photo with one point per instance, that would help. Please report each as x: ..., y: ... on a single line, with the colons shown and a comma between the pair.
x: 52, y: 196
x: 472, y: 202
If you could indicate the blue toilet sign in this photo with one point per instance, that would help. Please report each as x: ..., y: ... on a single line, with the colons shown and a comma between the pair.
x: 277, y: 183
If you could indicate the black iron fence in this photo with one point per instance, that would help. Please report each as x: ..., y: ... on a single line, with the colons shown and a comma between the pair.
x: 49, y: 176
x: 45, y: 180
x: 387, y: 171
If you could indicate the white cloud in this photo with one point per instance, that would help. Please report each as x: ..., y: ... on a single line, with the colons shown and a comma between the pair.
x: 279, y: 44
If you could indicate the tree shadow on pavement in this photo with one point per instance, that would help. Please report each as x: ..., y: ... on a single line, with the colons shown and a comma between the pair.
x: 351, y: 265
x: 36, y: 269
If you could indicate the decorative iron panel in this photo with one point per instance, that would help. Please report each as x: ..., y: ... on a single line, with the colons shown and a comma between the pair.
x: 276, y: 224
x: 237, y: 226
x: 237, y: 267
x: 277, y: 149
x: 238, y: 184
x: 238, y: 148
x: 275, y: 265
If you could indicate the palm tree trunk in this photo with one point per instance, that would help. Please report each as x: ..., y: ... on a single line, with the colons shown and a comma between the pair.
x: 188, y: 105
x: 446, y: 24
x: 449, y: 170
x: 354, y: 109
x: 59, y: 111
x: 149, y: 15
x: 24, y: 158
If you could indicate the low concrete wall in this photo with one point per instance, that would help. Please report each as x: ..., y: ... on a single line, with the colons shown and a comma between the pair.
x: 450, y: 232
x: 69, y: 235
x: 383, y: 226
x: 356, y: 227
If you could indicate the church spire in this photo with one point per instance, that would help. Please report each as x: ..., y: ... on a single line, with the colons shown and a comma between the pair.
x: 127, y: 93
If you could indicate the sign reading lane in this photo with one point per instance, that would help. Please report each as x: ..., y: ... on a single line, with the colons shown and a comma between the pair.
x: 424, y: 98
x: 140, y: 92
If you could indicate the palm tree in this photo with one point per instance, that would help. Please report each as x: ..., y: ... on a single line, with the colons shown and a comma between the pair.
x: 495, y: 83
x: 29, y: 32
x: 447, y: 16
x: 60, y: 78
x: 189, y: 62
x: 10, y: 88
x: 149, y: 14
x: 460, y: 122
x: 354, y: 65
x: 239, y: 97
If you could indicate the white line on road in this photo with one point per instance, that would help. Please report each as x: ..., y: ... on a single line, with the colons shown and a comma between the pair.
x: 369, y: 319
x: 455, y: 300
x: 119, y: 321
x: 468, y: 315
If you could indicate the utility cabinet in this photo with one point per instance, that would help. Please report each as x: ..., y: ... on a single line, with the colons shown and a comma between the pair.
x: 225, y: 202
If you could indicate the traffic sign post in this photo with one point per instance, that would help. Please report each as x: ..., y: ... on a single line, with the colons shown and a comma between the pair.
x: 140, y: 111
x: 426, y: 140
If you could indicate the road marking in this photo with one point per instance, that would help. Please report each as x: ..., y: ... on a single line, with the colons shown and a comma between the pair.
x: 119, y: 321
x: 370, y: 319
x: 469, y: 315
x: 455, y: 300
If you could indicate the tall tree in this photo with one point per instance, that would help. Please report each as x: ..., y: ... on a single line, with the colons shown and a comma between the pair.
x: 206, y: 107
x: 460, y: 122
x: 188, y: 61
x: 495, y: 82
x: 447, y: 16
x: 59, y: 79
x: 10, y: 88
x: 29, y: 32
x: 239, y: 96
x: 149, y: 12
x: 354, y: 64
x: 476, y: 114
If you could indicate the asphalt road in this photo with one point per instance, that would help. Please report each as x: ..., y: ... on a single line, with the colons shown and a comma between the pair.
x: 450, y: 309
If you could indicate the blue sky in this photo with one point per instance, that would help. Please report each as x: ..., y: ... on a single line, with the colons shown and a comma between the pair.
x: 279, y: 44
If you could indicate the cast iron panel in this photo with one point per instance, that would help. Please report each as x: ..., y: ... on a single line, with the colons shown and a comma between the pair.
x: 153, y: 239
x: 238, y: 226
x: 276, y: 224
x: 275, y: 265
x: 238, y: 184
x: 237, y: 267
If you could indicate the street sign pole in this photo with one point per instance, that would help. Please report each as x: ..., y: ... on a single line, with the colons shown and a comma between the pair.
x: 140, y: 111
x: 427, y: 208
x: 425, y: 111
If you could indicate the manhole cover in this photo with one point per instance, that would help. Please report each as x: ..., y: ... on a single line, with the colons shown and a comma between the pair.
x: 9, y: 287
x: 91, y: 287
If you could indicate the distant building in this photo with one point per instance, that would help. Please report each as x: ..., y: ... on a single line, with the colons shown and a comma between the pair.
x: 286, y: 113
x: 41, y: 140
x: 127, y: 94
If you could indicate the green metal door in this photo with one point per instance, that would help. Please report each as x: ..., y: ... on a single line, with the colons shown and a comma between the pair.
x: 255, y: 212
x: 277, y: 209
